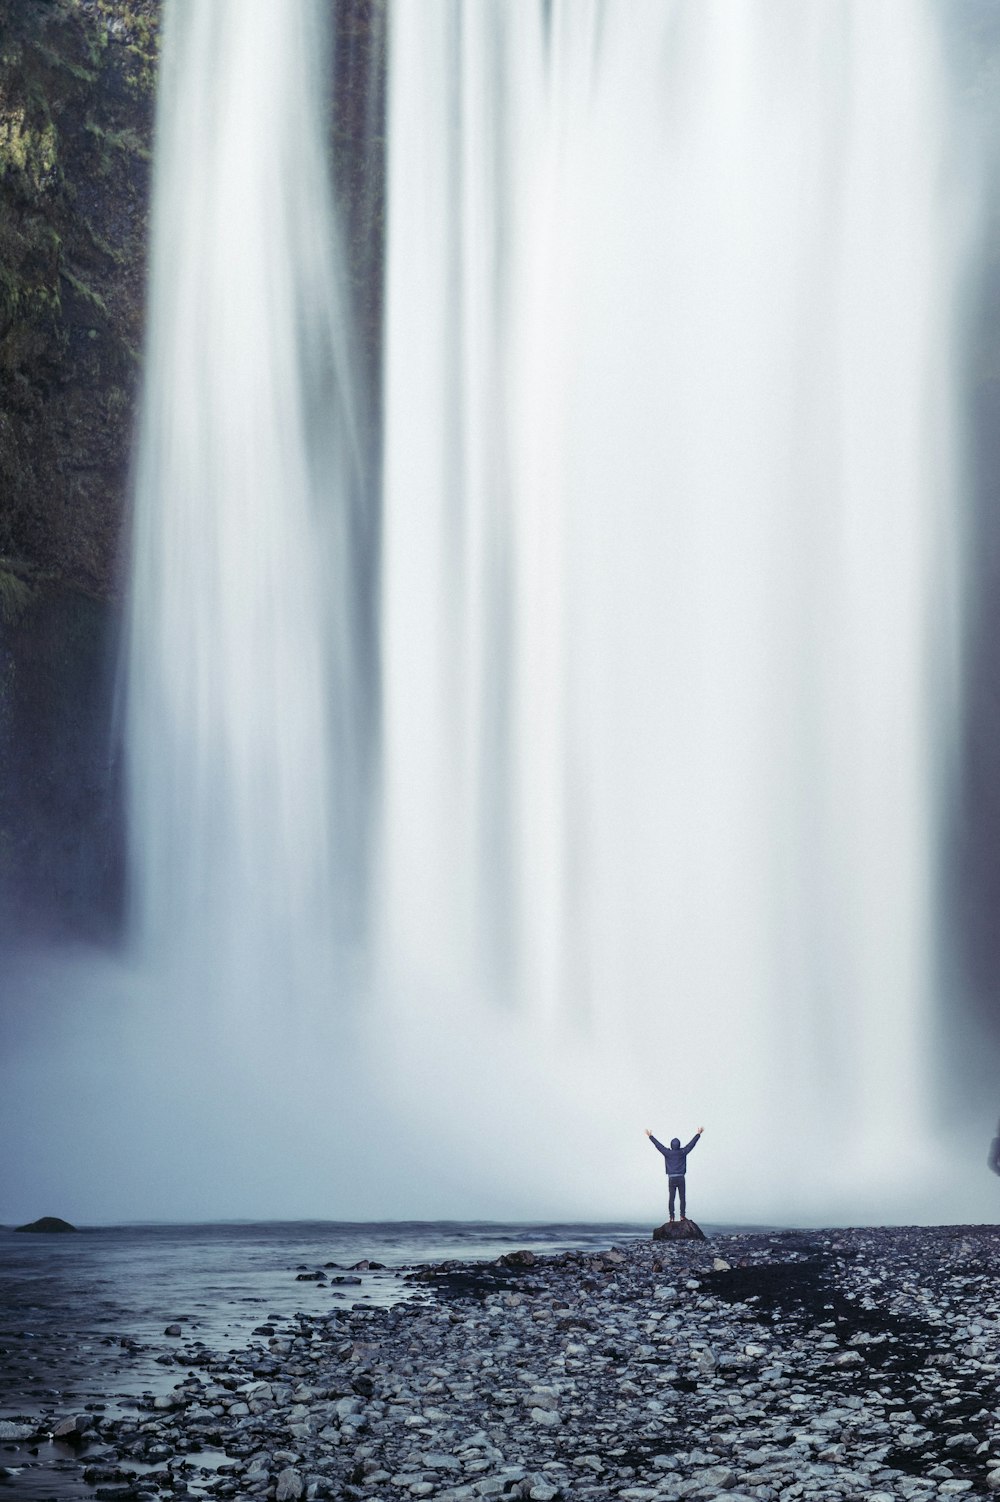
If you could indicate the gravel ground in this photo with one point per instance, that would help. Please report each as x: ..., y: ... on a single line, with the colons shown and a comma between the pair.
x: 857, y: 1364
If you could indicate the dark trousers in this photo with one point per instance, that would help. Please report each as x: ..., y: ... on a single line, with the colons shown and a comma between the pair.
x: 675, y: 1182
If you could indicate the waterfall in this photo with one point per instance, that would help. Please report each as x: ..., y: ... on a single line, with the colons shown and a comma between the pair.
x: 670, y: 569
x: 247, y: 720
x: 633, y: 815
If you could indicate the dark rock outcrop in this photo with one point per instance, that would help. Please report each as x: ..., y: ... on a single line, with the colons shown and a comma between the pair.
x: 679, y: 1230
x: 76, y: 116
x: 48, y: 1224
x: 77, y: 85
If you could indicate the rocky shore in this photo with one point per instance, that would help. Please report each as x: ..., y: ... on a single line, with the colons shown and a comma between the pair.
x: 857, y: 1364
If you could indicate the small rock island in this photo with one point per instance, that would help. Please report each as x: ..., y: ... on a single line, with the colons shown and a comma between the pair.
x: 48, y: 1225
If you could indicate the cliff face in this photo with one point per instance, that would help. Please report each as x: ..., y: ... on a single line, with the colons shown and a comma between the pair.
x: 76, y: 113
x: 77, y: 81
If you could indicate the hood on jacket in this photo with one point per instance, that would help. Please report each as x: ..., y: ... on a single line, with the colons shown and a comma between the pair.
x: 675, y: 1142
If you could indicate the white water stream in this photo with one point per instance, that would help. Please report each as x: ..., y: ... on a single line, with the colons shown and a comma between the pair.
x: 246, y: 714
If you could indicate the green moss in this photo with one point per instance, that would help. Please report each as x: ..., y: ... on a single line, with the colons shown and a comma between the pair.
x: 27, y: 149
x: 89, y: 294
x: 125, y: 140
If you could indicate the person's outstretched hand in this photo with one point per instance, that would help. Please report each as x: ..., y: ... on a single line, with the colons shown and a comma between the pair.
x: 648, y: 1132
x: 700, y: 1130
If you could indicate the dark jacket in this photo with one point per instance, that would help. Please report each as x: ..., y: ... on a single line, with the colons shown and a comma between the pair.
x: 675, y: 1157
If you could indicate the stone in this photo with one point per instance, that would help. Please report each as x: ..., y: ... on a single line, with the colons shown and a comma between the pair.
x: 719, y: 1477
x: 439, y: 1461
x: 679, y: 1230
x: 11, y: 1431
x: 289, y: 1487
x: 73, y: 1429
x: 173, y: 1330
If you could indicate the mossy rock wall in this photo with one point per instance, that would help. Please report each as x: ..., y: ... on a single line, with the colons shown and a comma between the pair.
x: 76, y: 116
x: 77, y: 84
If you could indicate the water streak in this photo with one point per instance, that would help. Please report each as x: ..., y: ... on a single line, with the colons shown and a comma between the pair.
x: 671, y: 551
x: 247, y: 723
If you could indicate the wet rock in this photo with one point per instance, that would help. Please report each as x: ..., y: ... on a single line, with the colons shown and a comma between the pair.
x: 74, y: 1427
x: 679, y: 1230
x: 10, y: 1430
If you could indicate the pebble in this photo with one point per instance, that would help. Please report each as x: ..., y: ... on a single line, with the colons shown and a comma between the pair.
x: 860, y: 1364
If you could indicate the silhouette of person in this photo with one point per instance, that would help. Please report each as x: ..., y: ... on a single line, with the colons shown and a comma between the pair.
x: 993, y: 1161
x: 675, y: 1163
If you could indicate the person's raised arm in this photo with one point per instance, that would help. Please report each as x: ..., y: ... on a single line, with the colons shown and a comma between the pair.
x: 658, y: 1145
x: 694, y: 1141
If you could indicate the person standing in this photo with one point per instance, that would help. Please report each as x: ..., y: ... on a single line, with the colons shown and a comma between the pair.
x: 675, y: 1163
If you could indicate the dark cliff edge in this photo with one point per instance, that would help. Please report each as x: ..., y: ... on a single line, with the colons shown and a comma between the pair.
x: 77, y: 84
x: 76, y: 117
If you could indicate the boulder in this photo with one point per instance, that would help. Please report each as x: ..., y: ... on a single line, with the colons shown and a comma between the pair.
x: 73, y: 1430
x: 10, y: 1430
x: 679, y: 1230
x: 522, y: 1258
x: 48, y: 1223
